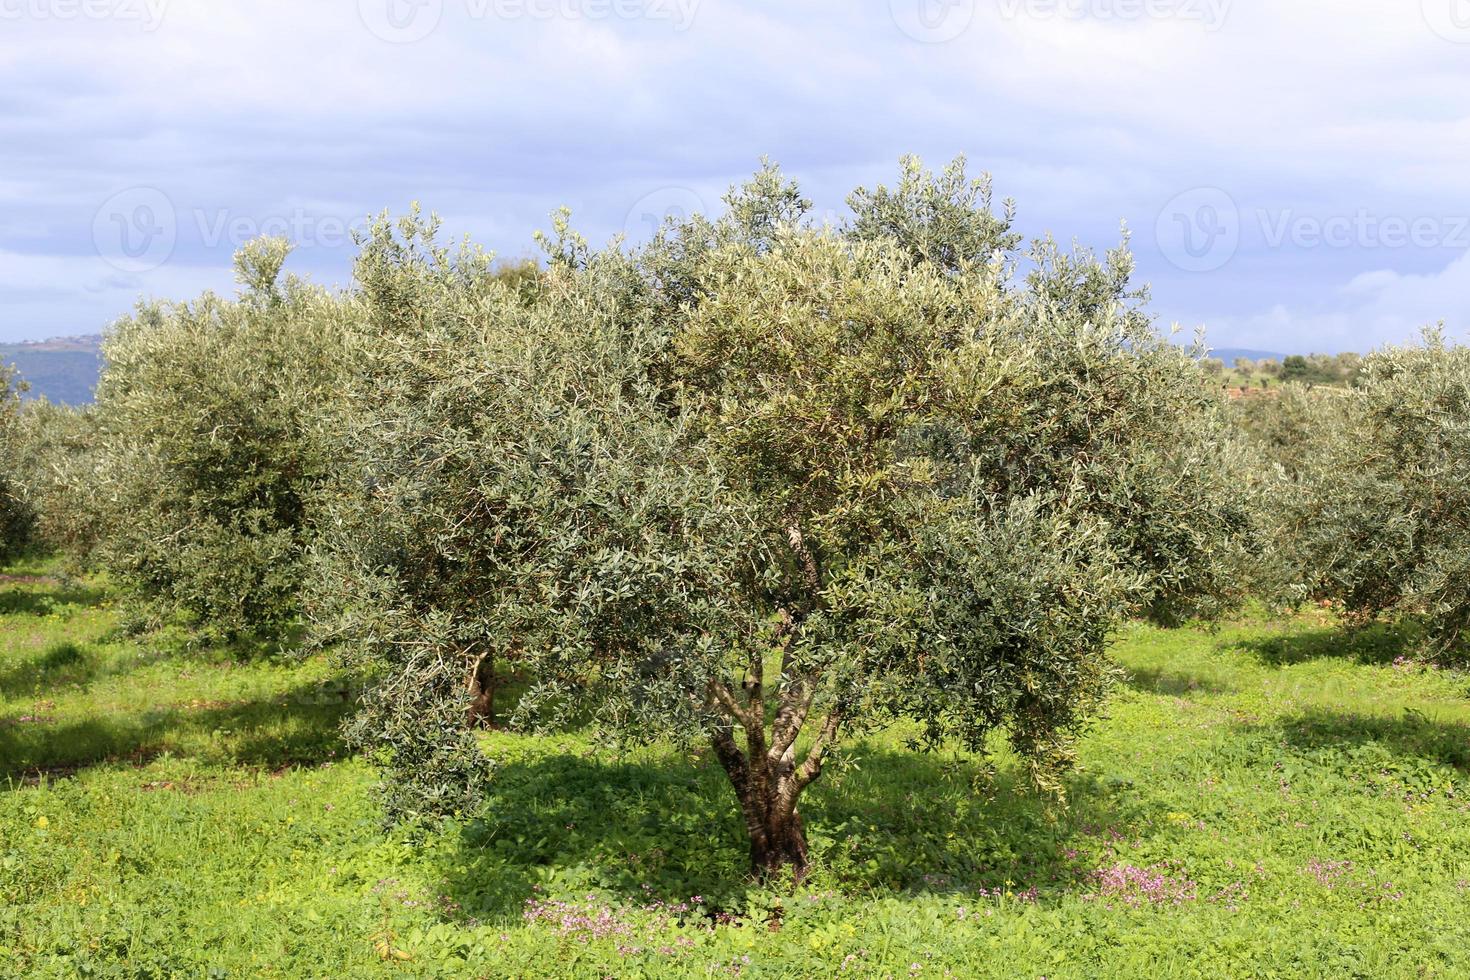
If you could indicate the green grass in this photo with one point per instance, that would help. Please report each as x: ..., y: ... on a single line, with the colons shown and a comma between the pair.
x: 1265, y: 800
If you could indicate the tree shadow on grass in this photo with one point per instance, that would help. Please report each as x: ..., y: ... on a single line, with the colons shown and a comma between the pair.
x: 645, y: 833
x: 1409, y: 736
x: 1174, y: 682
x: 61, y: 664
x: 73, y: 664
x: 1376, y: 643
x: 109, y: 649
x: 298, y: 727
x: 575, y: 823
x: 32, y: 601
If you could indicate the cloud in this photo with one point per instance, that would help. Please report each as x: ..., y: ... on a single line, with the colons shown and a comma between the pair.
x: 1374, y: 308
x: 494, y: 112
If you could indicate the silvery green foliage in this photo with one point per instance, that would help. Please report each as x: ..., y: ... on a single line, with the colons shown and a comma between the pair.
x: 1290, y: 427
x: 57, y: 473
x: 945, y: 221
x: 1287, y: 441
x: 518, y: 489
x: 210, y: 452
x: 1381, y: 519
x: 761, y: 482
x: 16, y: 516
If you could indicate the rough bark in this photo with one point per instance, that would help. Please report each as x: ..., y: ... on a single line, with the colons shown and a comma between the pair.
x: 766, y: 778
x: 781, y: 846
x: 481, y: 686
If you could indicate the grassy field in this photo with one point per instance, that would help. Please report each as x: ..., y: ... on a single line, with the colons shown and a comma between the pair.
x: 1265, y: 800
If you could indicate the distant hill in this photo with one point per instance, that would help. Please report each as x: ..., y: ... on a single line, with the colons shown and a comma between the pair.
x: 1229, y: 354
x: 63, y: 369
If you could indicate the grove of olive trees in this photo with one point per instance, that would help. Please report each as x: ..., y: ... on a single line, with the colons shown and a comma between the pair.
x: 757, y: 487
x: 16, y: 517
x: 211, y: 445
x: 55, y: 465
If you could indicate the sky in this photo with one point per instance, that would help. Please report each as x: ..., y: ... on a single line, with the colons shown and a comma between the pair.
x: 1295, y: 176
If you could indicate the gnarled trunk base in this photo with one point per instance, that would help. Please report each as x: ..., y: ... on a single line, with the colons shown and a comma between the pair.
x: 767, y: 795
x: 780, y: 845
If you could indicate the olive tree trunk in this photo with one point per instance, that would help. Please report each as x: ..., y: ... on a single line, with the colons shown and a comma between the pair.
x: 481, y: 687
x: 766, y: 777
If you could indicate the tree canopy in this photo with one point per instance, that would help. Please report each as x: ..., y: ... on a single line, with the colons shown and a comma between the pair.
x: 16, y: 516
x: 209, y: 416
x: 762, y: 485
x: 1376, y: 515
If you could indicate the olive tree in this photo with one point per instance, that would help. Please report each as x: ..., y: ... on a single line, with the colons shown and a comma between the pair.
x: 1378, y: 514
x: 210, y: 417
x: 56, y: 470
x: 16, y: 516
x: 763, y: 487
x: 1292, y: 429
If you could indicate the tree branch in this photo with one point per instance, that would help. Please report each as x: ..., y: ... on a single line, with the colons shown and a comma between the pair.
x: 728, y: 752
x: 755, y: 684
x: 811, y: 572
x: 795, y: 704
x: 811, y: 767
x: 726, y: 700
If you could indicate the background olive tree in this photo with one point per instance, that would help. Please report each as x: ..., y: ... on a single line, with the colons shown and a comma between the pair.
x: 16, y: 515
x: 56, y: 469
x: 1377, y: 513
x: 210, y: 418
x: 762, y: 486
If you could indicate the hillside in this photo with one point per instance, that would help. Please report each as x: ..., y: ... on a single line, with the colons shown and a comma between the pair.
x: 1230, y: 354
x: 63, y: 369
